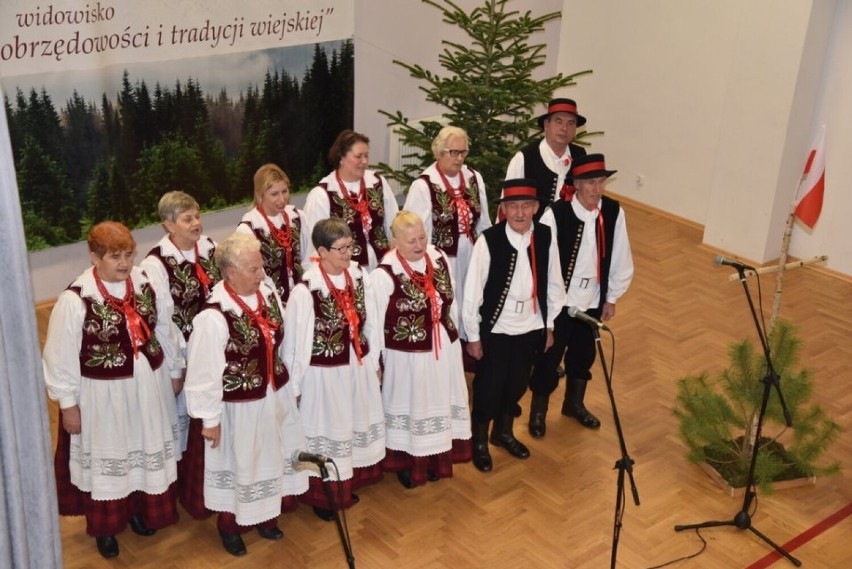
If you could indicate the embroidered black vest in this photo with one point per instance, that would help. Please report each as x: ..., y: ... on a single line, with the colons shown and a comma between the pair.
x: 445, y: 215
x: 245, y: 373
x: 184, y: 286
x: 547, y: 184
x: 570, y: 235
x: 408, y: 322
x: 275, y: 257
x: 504, y: 258
x: 106, y: 351
x: 339, y: 207
x: 332, y: 340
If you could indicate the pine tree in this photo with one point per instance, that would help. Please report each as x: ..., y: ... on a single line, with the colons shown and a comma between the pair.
x: 488, y: 90
x: 718, y: 416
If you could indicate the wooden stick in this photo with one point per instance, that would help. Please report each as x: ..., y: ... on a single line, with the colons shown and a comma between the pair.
x: 776, y: 268
x: 782, y: 261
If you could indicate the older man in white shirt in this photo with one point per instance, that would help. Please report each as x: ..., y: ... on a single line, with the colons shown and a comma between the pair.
x: 512, y: 292
x: 597, y: 267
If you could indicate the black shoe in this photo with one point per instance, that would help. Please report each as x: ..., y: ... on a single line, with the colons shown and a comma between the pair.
x: 139, y: 527
x: 355, y: 498
x: 107, y: 546
x: 233, y: 543
x: 481, y: 456
x: 431, y: 476
x: 512, y: 445
x: 502, y: 436
x: 272, y: 533
x: 583, y: 417
x: 404, y: 477
x: 538, y: 412
x: 324, y: 514
x: 482, y: 460
x: 575, y: 393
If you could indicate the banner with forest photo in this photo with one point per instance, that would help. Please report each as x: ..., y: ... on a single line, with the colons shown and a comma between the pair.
x: 110, y: 104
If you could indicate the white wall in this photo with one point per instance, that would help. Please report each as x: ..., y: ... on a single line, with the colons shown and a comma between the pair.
x: 411, y: 31
x: 715, y: 104
x: 833, y: 233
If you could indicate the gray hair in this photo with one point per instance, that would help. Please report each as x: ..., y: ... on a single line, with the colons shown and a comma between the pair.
x: 229, y: 251
x: 439, y: 144
x: 327, y: 231
x: 172, y: 204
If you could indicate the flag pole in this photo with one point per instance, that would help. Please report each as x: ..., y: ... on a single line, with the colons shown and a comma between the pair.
x: 782, y: 265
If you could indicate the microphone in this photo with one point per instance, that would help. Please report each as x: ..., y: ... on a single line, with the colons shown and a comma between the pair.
x: 575, y: 312
x: 720, y: 260
x: 314, y: 458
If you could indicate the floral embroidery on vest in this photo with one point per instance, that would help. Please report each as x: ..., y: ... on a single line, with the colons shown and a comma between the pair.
x: 332, y: 340
x: 406, y: 327
x: 244, y: 377
x: 185, y: 288
x: 445, y: 218
x: 106, y: 351
x: 275, y: 258
x: 339, y: 207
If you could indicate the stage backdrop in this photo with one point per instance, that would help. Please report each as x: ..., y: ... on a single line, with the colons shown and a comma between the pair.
x: 111, y: 104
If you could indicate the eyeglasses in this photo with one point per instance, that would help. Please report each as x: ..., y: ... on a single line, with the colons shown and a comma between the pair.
x: 457, y: 153
x: 343, y: 249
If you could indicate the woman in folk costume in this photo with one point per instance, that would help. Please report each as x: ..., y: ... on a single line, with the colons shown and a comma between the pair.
x: 450, y: 199
x: 424, y: 391
x: 280, y: 228
x: 182, y: 264
x: 238, y: 386
x: 109, y: 354
x: 360, y: 197
x: 332, y: 351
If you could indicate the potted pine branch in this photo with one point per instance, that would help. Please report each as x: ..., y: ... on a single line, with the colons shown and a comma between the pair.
x: 718, y: 416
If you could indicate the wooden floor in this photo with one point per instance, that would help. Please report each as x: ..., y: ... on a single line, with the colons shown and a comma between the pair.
x: 556, y: 509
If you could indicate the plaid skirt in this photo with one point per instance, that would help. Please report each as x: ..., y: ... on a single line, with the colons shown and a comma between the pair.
x: 108, y: 517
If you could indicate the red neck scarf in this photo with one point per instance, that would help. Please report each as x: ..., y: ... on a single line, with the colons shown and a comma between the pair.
x: 196, y: 265
x: 534, y: 272
x: 458, y: 199
x: 260, y: 317
x: 345, y: 299
x: 138, y: 329
x: 281, y: 235
x: 600, y: 238
x: 358, y: 203
x: 426, y: 284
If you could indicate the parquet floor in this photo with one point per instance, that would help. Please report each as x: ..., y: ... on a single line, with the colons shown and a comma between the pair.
x: 556, y: 509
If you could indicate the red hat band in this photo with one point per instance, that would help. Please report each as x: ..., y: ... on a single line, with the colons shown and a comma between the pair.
x: 586, y: 168
x: 520, y: 192
x: 562, y: 108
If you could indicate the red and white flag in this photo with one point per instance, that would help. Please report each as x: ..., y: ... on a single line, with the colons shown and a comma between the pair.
x: 809, y: 195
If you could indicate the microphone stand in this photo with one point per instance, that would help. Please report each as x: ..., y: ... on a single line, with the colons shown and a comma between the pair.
x: 742, y: 520
x: 623, y: 464
x: 343, y: 533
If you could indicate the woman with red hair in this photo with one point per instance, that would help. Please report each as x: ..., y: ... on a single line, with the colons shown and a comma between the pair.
x: 109, y: 348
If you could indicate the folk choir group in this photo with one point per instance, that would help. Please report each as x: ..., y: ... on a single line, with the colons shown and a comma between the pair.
x: 342, y: 332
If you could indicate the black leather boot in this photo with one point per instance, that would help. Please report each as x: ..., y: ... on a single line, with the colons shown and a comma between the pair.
x: 573, y: 406
x: 502, y: 436
x: 107, y: 546
x: 481, y: 456
x: 538, y: 412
